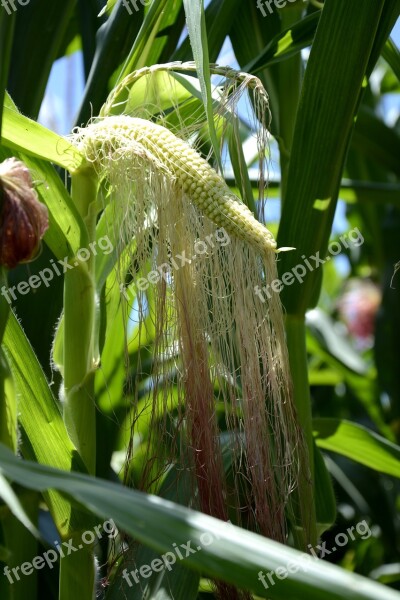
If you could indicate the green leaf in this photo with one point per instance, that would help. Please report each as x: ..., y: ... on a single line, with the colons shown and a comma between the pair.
x: 376, y: 140
x: 176, y: 96
x: 22, y: 541
x: 370, y: 191
x: 389, y: 16
x: 250, y: 34
x: 240, y: 167
x: 325, y: 501
x: 106, y: 262
x: 24, y: 135
x: 322, y: 134
x: 196, y: 24
x: 167, y: 32
x: 322, y: 328
x: 7, y: 24
x: 359, y: 444
x: 89, y: 23
x: 112, y: 44
x: 221, y: 550
x: 11, y: 499
x: 8, y: 398
x: 67, y: 232
x: 39, y: 36
x: 392, y: 56
x: 219, y: 16
x: 178, y: 584
x: 44, y: 437
x: 285, y: 44
x: 152, y: 25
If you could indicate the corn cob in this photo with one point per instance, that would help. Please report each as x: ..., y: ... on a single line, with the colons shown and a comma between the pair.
x: 115, y: 136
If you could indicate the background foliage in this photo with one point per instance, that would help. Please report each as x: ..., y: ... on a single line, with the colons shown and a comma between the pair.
x: 329, y: 72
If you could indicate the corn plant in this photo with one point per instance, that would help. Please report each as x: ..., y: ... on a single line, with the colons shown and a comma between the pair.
x: 157, y: 427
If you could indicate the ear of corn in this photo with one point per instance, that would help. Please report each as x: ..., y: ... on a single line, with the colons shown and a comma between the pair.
x: 162, y: 193
x: 200, y: 182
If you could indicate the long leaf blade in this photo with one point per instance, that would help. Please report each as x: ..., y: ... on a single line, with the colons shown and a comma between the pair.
x: 196, y: 24
x: 359, y: 444
x: 230, y: 553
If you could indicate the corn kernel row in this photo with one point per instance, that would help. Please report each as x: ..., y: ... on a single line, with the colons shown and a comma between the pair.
x: 200, y: 182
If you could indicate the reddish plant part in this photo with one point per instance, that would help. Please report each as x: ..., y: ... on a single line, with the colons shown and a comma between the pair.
x: 358, y: 307
x: 23, y: 219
